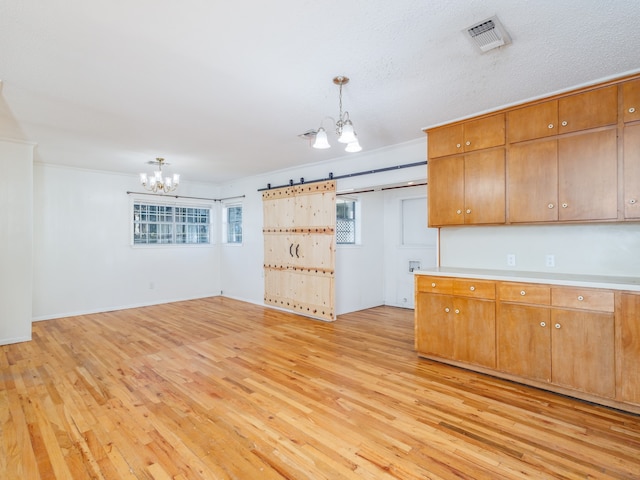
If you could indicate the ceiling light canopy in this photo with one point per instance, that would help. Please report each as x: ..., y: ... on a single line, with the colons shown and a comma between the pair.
x: 344, y: 127
x: 157, y: 183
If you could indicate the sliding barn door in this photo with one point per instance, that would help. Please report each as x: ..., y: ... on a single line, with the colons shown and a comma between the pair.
x: 299, y: 248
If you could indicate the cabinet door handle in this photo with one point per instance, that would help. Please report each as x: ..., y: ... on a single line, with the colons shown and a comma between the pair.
x: 290, y: 249
x: 523, y: 293
x: 565, y: 123
x: 565, y: 205
x: 472, y: 288
x: 632, y: 110
x: 558, y: 326
x: 551, y: 205
x: 468, y: 210
x: 433, y: 285
x: 458, y: 145
x: 468, y: 143
x: 550, y: 126
x: 458, y: 212
x: 580, y: 298
x: 457, y: 310
x: 633, y: 201
x: 447, y: 310
x: 543, y: 324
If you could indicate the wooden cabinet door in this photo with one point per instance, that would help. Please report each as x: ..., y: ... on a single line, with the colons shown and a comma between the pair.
x: 434, y: 325
x: 536, y: 121
x: 445, y: 141
x: 587, y: 176
x: 582, y: 351
x: 631, y: 171
x: 628, y: 348
x: 631, y: 100
x: 524, y: 341
x: 474, y: 331
x: 582, y: 111
x: 484, y: 187
x: 532, y: 182
x: 446, y: 191
x: 484, y: 133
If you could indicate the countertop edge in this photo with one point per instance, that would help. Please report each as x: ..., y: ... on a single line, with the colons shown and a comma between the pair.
x: 563, y: 279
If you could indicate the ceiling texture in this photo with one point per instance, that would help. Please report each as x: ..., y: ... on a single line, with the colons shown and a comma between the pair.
x: 223, y: 89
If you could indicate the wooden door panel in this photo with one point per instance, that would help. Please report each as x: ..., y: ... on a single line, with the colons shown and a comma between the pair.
x: 628, y: 348
x: 532, y: 182
x: 278, y: 209
x: 524, y: 341
x: 582, y: 345
x: 446, y: 191
x: 475, y: 331
x: 434, y: 327
x: 279, y: 250
x: 631, y: 172
x: 536, y: 121
x: 582, y: 111
x: 484, y: 187
x: 588, y: 176
x: 484, y: 133
x: 631, y: 100
x: 314, y: 251
x: 445, y: 141
x: 315, y: 207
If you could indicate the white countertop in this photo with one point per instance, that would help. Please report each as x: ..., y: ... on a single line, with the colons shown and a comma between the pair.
x: 566, y: 279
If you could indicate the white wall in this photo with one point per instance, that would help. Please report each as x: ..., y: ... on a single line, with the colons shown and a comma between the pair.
x: 600, y: 249
x: 16, y: 241
x: 83, y: 258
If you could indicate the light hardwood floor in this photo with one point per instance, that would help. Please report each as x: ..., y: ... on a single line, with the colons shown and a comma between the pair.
x: 217, y: 388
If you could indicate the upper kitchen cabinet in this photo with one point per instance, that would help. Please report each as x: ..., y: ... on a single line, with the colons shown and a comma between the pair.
x: 631, y: 100
x: 631, y: 169
x: 467, y: 189
x: 468, y: 136
x: 582, y: 111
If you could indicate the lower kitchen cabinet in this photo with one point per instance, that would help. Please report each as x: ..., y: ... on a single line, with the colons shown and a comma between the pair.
x: 576, y: 341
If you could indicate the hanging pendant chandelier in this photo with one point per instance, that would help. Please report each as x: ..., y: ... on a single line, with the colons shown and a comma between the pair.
x: 157, y: 183
x: 343, y: 126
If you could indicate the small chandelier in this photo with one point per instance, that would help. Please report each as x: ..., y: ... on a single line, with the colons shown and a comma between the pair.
x: 156, y: 183
x: 344, y: 128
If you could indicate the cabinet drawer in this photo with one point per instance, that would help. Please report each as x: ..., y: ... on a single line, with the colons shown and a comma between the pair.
x: 442, y: 285
x: 583, y: 298
x: 474, y: 288
x: 525, y: 293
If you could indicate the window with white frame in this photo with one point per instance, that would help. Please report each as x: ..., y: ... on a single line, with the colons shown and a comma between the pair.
x: 167, y: 224
x: 347, y: 221
x: 232, y: 223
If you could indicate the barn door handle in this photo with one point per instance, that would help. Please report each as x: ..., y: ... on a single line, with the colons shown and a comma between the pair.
x: 290, y: 247
x: 297, y: 248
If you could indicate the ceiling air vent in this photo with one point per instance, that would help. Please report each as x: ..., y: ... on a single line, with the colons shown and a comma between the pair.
x: 488, y: 34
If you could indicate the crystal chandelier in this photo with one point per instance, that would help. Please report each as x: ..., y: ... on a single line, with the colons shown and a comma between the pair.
x: 344, y: 128
x: 156, y: 183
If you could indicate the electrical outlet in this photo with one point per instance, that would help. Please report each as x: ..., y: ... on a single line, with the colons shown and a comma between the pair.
x: 550, y: 260
x: 511, y: 259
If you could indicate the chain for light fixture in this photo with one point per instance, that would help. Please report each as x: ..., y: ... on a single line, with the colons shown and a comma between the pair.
x: 157, y: 183
x: 344, y: 127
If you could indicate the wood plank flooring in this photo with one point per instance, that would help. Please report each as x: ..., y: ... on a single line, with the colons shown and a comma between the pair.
x: 220, y: 389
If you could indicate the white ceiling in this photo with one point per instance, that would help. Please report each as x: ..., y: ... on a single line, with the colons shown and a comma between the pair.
x: 222, y: 89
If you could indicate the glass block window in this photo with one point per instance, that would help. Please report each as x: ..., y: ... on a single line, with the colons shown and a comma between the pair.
x: 156, y: 224
x: 232, y: 228
x: 345, y: 221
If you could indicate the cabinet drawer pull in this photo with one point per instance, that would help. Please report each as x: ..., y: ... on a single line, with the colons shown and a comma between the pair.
x: 458, y: 212
x: 472, y: 288
x: 468, y: 210
x: 458, y: 145
x: 447, y: 310
x: 565, y: 205
x: 543, y: 324
x: 632, y: 110
x: 633, y: 201
x: 523, y: 293
x: 550, y: 126
x: 558, y: 325
x: 580, y: 298
x: 468, y: 143
x: 565, y: 123
x: 551, y: 205
x: 433, y: 285
x: 457, y: 310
